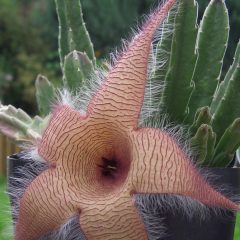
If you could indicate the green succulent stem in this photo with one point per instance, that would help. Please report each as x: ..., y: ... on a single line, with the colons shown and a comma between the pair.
x: 77, y: 69
x: 210, y: 147
x: 178, y: 86
x: 202, y: 116
x: 219, y: 93
x: 211, y: 46
x: 45, y: 94
x: 227, y: 146
x: 228, y: 108
x: 199, y: 143
x: 73, y: 34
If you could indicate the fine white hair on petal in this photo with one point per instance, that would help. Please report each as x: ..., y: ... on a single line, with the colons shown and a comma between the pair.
x: 70, y: 230
x: 178, y: 133
x: 80, y: 99
x: 32, y: 153
x: 65, y: 97
x: 158, y: 61
x: 21, y: 178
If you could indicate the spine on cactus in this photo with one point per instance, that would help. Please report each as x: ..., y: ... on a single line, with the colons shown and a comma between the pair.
x: 73, y: 34
x: 178, y: 85
x: 213, y: 31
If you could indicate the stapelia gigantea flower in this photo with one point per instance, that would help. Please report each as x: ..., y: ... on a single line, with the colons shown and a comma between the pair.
x: 100, y: 160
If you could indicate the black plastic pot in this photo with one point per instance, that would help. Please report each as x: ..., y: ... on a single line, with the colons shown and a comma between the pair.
x: 216, y: 227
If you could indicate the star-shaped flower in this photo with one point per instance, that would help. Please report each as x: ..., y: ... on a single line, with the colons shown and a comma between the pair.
x: 98, y: 161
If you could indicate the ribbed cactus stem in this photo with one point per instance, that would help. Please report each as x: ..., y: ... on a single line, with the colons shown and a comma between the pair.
x: 219, y: 93
x: 202, y: 116
x: 178, y: 86
x: 211, y: 46
x: 73, y: 34
x: 199, y: 143
x: 228, y: 108
x: 210, y: 147
x: 77, y: 69
x: 63, y: 36
x: 228, y: 144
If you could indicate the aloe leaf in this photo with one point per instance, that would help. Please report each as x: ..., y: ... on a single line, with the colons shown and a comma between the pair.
x: 45, y: 94
x: 199, y: 143
x: 227, y: 146
x: 211, y: 46
x: 223, y: 85
x: 177, y: 86
x: 228, y: 108
x: 77, y: 69
x: 202, y: 116
x: 73, y: 34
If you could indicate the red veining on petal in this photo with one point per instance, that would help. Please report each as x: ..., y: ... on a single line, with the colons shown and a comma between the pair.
x: 121, y: 95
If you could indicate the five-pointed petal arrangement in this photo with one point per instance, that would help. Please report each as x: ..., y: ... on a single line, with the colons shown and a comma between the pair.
x: 100, y: 160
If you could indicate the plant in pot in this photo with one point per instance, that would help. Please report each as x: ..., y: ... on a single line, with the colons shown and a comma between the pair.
x: 106, y: 160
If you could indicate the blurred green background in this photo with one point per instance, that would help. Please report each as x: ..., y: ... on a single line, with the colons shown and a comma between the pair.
x: 28, y: 46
